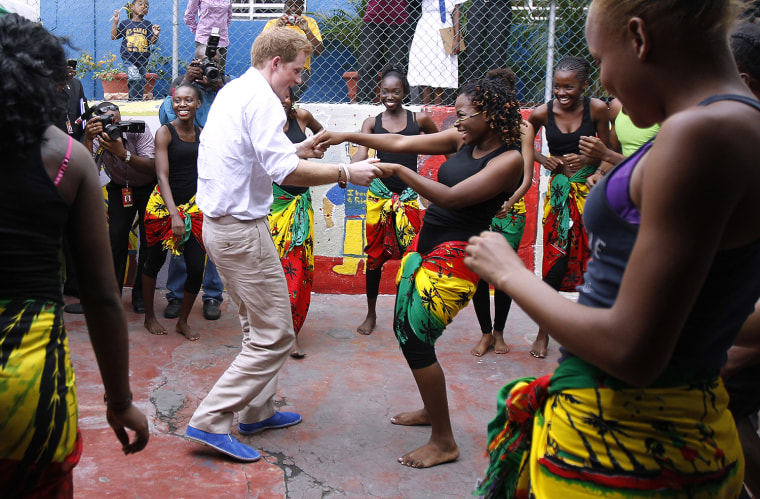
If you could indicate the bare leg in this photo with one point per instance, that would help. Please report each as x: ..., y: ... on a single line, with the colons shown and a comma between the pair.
x: 149, y: 293
x: 296, y: 352
x: 438, y: 96
x: 539, y: 347
x: 426, y: 95
x: 370, y: 321
x: 499, y: 345
x: 441, y: 448
x: 484, y: 344
x: 751, y: 447
x: 182, y: 326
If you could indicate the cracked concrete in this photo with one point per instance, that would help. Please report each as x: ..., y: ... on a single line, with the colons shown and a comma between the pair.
x: 347, y: 388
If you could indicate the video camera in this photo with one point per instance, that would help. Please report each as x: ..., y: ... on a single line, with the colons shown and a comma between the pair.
x: 114, y: 130
x: 209, y: 67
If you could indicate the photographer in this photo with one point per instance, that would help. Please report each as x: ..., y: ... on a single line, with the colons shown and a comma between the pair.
x: 294, y: 19
x: 128, y: 162
x: 208, y: 88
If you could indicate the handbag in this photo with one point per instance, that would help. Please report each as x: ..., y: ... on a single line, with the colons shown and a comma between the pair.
x: 447, y: 35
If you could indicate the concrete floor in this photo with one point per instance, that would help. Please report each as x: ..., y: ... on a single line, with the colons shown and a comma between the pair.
x: 347, y: 389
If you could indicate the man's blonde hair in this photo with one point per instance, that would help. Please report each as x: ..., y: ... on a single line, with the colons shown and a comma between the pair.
x: 283, y: 42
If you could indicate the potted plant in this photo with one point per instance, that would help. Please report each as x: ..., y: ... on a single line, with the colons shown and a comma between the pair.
x: 112, y: 75
x: 340, y: 29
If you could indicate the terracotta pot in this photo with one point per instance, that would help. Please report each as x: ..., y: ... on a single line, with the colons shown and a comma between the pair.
x: 351, y: 78
x: 118, y: 89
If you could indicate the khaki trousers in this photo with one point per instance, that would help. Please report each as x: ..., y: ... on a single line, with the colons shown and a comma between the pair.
x: 250, y: 268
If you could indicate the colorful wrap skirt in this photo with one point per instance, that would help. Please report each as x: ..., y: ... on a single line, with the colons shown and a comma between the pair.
x: 158, y: 223
x: 513, y: 225
x: 579, y: 433
x: 393, y: 220
x: 39, y: 442
x: 564, y: 232
x: 431, y: 290
x: 291, y: 223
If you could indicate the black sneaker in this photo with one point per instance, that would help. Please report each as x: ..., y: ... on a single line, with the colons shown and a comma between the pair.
x: 138, y: 304
x: 211, y: 309
x: 173, y: 308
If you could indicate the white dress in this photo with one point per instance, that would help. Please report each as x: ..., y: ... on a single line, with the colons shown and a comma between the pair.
x: 429, y: 64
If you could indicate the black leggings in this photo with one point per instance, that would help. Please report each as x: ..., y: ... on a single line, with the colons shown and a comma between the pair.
x: 482, y: 302
x: 195, y: 259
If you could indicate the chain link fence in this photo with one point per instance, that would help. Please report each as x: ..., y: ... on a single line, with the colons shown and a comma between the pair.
x: 358, y: 38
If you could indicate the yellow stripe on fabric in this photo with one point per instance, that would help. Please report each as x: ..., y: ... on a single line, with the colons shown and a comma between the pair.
x: 281, y: 227
x: 442, y: 294
x: 636, y: 438
x: 20, y: 382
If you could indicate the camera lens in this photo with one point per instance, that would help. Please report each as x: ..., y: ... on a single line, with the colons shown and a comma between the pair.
x: 113, y: 131
x: 212, y: 73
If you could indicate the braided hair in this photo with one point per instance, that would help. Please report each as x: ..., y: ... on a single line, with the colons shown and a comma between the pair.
x: 500, y: 105
x: 577, y: 65
x: 398, y: 72
x: 33, y: 65
x: 745, y: 44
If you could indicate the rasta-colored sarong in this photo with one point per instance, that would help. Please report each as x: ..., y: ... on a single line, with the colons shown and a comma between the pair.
x: 158, y: 223
x: 581, y: 434
x: 39, y: 442
x: 393, y: 220
x: 513, y: 225
x: 432, y: 289
x: 564, y: 233
x: 291, y: 223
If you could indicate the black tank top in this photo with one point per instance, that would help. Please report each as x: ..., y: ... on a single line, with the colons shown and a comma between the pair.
x: 34, y: 217
x: 296, y: 135
x: 183, y: 166
x: 462, y: 223
x: 568, y: 143
x: 394, y: 183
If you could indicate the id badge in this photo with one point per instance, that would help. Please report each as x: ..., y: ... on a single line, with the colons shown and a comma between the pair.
x: 126, y: 197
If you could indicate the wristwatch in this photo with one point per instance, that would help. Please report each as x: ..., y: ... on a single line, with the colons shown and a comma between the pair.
x: 128, y: 157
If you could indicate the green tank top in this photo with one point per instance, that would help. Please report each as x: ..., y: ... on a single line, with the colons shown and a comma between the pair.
x: 630, y: 136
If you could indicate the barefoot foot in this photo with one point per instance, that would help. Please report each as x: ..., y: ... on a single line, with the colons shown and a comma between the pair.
x: 187, y: 331
x: 539, y: 347
x: 153, y: 326
x: 499, y: 346
x: 485, y: 344
x: 368, y: 325
x: 414, y: 418
x: 430, y: 455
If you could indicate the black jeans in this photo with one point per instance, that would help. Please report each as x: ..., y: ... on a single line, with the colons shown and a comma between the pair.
x: 120, y: 223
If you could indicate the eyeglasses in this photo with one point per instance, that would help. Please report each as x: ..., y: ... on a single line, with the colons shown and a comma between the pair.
x: 104, y: 109
x: 465, y: 118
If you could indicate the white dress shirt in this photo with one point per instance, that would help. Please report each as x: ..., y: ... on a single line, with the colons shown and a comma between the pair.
x: 243, y: 150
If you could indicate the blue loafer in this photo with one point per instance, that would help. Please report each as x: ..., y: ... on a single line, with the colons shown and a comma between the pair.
x: 279, y: 420
x: 224, y: 443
